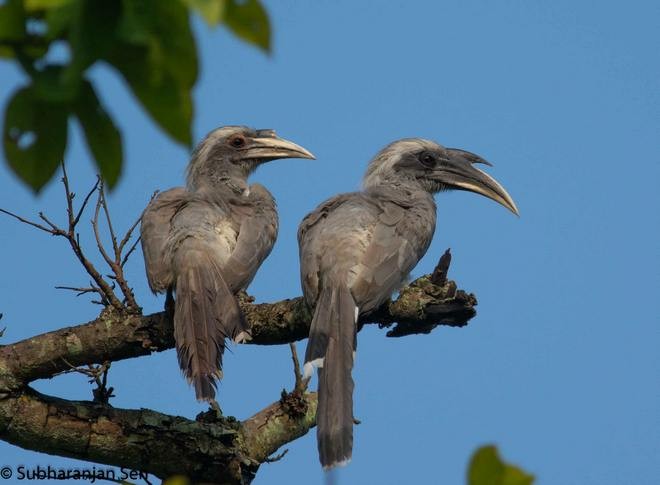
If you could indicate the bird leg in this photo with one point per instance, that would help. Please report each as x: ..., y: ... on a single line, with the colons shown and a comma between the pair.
x: 169, y: 303
x: 216, y: 407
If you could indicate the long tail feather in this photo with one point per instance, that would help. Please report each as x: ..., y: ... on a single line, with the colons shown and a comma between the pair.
x: 331, y: 348
x: 206, y: 313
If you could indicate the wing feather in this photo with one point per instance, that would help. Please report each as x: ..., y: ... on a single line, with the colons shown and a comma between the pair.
x: 256, y: 237
x: 309, y: 259
x: 154, y: 231
x: 399, y: 241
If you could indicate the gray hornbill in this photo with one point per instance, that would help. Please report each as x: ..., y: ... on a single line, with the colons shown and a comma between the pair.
x: 357, y: 248
x: 205, y: 242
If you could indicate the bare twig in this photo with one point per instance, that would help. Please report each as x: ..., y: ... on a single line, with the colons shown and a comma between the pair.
x: 54, y: 229
x: 80, y: 291
x: 108, y: 220
x: 95, y: 226
x: 117, y: 263
x: 130, y: 251
x: 300, y: 382
x: 98, y: 374
x: 108, y: 296
x: 89, y: 289
x: 25, y: 221
x: 69, y: 199
x: 278, y: 457
x: 294, y: 402
x: 128, y: 235
x: 106, y: 291
x: 86, y: 200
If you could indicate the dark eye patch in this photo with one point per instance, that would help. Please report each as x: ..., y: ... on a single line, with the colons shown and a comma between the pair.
x: 427, y: 159
x: 237, y: 141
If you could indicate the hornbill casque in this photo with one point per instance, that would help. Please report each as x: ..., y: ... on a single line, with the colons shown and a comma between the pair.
x: 205, y: 242
x: 356, y: 249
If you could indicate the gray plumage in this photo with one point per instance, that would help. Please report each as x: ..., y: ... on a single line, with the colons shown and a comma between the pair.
x: 206, y: 242
x: 356, y: 249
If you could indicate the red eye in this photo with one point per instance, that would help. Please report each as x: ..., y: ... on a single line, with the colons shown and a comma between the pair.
x: 237, y: 142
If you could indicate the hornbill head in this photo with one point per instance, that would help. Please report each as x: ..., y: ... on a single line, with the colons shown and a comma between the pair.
x: 436, y: 168
x: 239, y: 150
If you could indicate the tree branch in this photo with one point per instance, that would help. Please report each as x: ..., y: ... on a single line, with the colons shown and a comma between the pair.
x: 220, y: 451
x: 224, y: 451
x: 115, y: 336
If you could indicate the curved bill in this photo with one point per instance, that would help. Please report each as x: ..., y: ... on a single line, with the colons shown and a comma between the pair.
x: 458, y: 172
x: 268, y: 146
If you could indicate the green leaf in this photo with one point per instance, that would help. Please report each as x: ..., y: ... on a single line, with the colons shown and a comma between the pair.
x: 12, y: 21
x: 164, y: 29
x: 487, y: 468
x: 51, y: 84
x: 34, y: 137
x: 60, y: 18
x: 32, y: 51
x: 164, y: 99
x: 91, y: 34
x: 157, y: 56
x: 13, y: 34
x: 89, y: 28
x: 248, y: 20
x: 103, y: 137
x: 34, y: 5
x: 212, y: 11
x: 6, y: 52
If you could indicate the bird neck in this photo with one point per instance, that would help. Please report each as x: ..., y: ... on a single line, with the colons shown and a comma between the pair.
x: 403, y: 191
x: 215, y: 178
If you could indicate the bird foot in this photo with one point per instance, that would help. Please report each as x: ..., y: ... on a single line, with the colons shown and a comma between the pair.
x: 169, y: 304
x: 213, y: 415
x: 215, y: 407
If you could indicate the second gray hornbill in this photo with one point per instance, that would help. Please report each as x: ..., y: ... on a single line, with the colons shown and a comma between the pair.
x: 356, y: 249
x: 205, y: 242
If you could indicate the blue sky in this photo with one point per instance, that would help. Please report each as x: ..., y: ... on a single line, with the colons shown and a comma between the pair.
x: 560, y: 367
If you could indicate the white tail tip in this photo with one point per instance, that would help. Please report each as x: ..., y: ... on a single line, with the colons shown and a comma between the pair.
x: 242, y: 337
x: 336, y: 464
x: 308, y: 368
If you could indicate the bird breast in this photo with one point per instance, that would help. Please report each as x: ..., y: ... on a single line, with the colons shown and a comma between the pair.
x: 226, y: 235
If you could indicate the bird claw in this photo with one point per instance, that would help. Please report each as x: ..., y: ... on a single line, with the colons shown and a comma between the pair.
x: 215, y: 407
x: 169, y: 304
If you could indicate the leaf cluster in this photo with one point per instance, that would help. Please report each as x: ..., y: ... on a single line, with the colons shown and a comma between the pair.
x: 150, y: 43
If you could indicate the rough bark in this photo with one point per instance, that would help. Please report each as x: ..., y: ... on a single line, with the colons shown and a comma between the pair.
x: 116, y: 336
x: 219, y: 451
